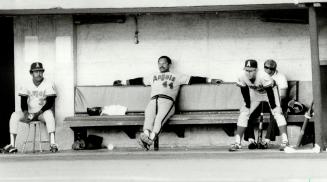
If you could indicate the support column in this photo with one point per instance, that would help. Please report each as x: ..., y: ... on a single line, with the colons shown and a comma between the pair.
x: 316, y: 80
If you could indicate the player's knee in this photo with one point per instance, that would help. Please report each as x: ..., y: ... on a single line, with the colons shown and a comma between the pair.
x: 48, y: 114
x: 242, y: 121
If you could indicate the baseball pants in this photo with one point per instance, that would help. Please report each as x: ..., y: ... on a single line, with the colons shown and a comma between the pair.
x: 157, y: 112
x: 255, y: 99
x: 18, y: 116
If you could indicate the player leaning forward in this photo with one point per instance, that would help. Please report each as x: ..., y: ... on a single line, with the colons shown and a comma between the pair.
x: 164, y: 89
x: 37, y: 99
x: 257, y: 86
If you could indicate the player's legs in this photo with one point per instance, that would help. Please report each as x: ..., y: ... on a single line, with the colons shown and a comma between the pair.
x: 13, y: 128
x: 280, y: 119
x: 15, y: 118
x: 48, y: 118
x: 166, y: 109
x: 150, y: 114
x: 243, y: 120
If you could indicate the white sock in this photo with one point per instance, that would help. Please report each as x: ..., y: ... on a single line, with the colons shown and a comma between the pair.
x: 52, y: 138
x: 12, y: 139
x: 152, y: 135
x: 267, y: 140
x: 284, y: 138
x: 237, y: 139
x: 147, y: 132
x: 251, y: 140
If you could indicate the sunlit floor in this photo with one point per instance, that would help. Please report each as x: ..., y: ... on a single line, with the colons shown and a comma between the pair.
x: 164, y: 165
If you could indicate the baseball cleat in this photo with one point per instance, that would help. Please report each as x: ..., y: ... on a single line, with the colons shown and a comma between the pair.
x: 283, y: 146
x: 252, y: 146
x: 235, y: 147
x: 54, y: 148
x: 9, y: 149
x: 146, y: 139
x: 143, y: 144
x: 263, y: 145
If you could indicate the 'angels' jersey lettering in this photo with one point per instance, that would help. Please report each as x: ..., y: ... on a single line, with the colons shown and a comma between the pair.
x: 37, y: 94
x: 166, y: 83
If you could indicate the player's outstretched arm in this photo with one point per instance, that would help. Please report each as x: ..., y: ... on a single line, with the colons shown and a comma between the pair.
x: 134, y: 81
x: 198, y: 80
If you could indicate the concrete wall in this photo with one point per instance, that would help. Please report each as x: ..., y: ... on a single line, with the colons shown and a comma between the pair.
x: 48, y: 39
x: 213, y: 45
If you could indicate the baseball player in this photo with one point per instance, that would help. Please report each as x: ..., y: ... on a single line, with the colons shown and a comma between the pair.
x: 257, y: 86
x: 165, y: 86
x: 270, y: 67
x: 37, y: 99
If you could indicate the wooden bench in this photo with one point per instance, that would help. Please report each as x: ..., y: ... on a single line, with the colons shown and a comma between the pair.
x: 202, y: 104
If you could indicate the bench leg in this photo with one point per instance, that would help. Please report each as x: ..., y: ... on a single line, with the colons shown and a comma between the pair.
x: 80, y: 133
x: 156, y: 144
x: 229, y: 129
x: 131, y: 131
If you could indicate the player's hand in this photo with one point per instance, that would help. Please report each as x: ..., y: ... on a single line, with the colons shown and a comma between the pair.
x: 25, y: 116
x: 36, y: 115
x: 117, y: 83
x: 217, y: 81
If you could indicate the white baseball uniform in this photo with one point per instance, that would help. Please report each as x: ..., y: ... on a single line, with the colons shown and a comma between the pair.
x: 257, y: 95
x: 164, y: 90
x: 36, y: 100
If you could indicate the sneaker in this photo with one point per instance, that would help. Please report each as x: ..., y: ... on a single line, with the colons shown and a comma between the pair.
x: 235, y: 147
x: 146, y: 139
x: 283, y: 146
x: 143, y: 144
x: 252, y: 145
x: 263, y: 145
x: 9, y: 149
x: 54, y: 148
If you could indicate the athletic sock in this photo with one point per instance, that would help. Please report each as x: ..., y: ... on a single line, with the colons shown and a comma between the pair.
x: 266, y: 140
x: 251, y: 140
x: 284, y: 138
x: 146, y: 132
x: 237, y: 139
x: 12, y: 139
x: 52, y: 138
x: 152, y: 135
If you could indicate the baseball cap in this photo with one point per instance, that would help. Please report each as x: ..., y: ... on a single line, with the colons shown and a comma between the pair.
x: 251, y: 63
x: 36, y: 66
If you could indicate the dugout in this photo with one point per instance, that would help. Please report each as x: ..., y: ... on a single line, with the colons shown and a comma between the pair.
x: 90, y: 44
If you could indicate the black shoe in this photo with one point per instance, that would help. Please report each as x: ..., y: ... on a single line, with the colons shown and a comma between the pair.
x: 9, y: 149
x: 54, y: 148
x: 283, y: 146
x: 263, y: 145
x: 252, y: 146
x: 143, y: 144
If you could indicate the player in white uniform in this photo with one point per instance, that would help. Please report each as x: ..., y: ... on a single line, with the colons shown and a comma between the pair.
x: 270, y: 67
x: 257, y: 86
x: 165, y: 86
x: 37, y: 99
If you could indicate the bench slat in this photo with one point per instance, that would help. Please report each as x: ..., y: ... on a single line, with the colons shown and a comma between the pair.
x: 177, y: 119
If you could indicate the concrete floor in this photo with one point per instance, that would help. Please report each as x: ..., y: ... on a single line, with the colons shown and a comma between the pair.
x: 165, y: 165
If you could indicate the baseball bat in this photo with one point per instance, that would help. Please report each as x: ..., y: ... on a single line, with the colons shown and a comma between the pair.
x: 307, y: 116
x: 260, y: 125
